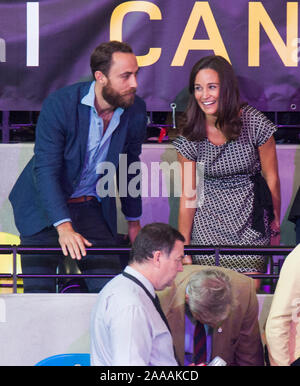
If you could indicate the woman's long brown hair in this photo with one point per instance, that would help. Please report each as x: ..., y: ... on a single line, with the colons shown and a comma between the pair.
x: 228, y: 120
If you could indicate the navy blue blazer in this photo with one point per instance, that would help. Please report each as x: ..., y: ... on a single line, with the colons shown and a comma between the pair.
x: 39, y: 196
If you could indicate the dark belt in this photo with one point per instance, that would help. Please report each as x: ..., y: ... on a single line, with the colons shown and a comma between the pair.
x: 77, y: 200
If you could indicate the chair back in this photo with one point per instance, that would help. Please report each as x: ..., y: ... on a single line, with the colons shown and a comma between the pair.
x: 6, y: 263
x: 71, y: 359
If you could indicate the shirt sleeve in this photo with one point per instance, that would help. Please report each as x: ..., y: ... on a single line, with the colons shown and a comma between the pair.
x: 132, y: 218
x: 186, y: 148
x: 56, y: 224
x: 261, y: 128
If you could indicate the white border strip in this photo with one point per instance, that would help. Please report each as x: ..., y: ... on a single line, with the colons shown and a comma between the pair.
x: 32, y: 19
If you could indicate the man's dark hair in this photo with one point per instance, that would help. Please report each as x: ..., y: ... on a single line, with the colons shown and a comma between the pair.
x: 154, y: 237
x: 102, y: 55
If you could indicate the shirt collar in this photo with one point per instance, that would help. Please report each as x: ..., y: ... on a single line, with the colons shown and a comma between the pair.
x: 89, y: 99
x: 141, y: 278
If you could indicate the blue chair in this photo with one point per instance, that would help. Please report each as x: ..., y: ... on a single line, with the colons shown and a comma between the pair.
x: 6, y: 263
x: 76, y: 359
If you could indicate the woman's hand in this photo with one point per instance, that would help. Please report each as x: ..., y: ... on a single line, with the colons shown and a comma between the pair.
x: 275, y: 232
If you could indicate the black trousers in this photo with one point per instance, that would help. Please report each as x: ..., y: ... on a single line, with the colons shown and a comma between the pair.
x: 87, y: 219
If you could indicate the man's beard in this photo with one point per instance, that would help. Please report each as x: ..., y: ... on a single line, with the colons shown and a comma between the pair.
x: 117, y: 100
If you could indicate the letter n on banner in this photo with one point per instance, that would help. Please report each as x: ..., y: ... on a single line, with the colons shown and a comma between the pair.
x: 259, y: 17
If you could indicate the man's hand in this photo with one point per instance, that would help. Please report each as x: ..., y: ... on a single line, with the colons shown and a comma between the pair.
x: 71, y: 241
x: 133, y: 229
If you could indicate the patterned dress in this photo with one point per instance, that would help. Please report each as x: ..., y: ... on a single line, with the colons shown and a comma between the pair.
x: 224, y: 216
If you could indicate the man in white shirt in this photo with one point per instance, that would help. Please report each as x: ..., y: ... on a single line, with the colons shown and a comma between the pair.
x: 127, y: 327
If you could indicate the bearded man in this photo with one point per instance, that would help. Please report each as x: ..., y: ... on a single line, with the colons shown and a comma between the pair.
x: 55, y: 199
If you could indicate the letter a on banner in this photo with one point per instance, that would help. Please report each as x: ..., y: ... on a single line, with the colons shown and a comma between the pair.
x: 116, y: 24
x: 200, y: 10
x: 259, y: 17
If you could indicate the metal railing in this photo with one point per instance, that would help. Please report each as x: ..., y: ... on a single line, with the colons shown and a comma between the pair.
x: 189, y: 250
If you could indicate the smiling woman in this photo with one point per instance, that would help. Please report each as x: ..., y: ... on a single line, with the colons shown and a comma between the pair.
x: 214, y: 87
x: 207, y: 91
x: 235, y: 144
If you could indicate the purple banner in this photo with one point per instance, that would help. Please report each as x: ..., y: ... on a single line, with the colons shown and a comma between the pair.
x: 46, y: 44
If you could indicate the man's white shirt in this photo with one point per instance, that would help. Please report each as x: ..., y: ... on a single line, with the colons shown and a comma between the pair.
x: 126, y: 328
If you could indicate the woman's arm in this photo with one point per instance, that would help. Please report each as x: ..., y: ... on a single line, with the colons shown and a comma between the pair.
x: 187, y: 205
x: 268, y: 159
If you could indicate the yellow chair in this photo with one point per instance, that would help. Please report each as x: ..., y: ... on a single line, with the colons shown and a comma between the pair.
x: 6, y: 263
x: 76, y: 359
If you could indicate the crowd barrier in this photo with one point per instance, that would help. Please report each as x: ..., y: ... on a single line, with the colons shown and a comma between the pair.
x: 268, y: 252
x: 51, y: 324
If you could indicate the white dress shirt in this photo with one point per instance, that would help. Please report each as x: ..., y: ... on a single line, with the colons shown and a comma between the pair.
x: 126, y: 328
